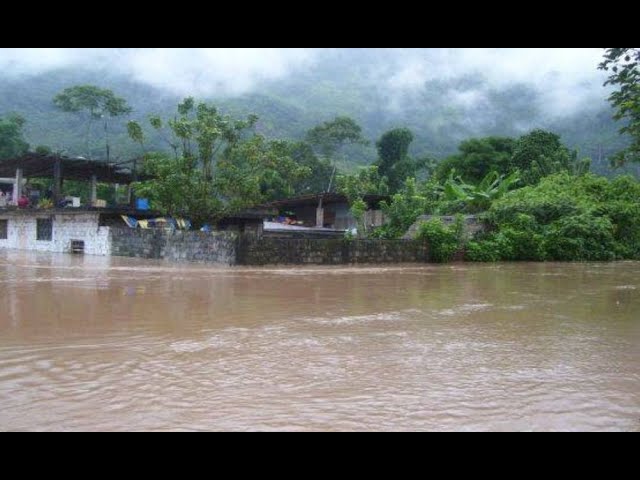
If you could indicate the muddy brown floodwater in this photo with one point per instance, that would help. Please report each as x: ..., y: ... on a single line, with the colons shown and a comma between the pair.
x: 89, y: 343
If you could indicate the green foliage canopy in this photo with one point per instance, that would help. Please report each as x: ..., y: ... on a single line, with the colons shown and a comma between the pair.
x: 624, y: 67
x: 540, y: 153
x: 330, y: 136
x: 96, y: 103
x: 366, y: 181
x: 565, y: 218
x: 394, y: 162
x: 12, y: 141
x: 479, y: 157
x: 177, y: 188
x: 256, y: 171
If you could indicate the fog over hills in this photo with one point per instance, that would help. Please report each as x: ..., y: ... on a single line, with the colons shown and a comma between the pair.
x: 443, y: 95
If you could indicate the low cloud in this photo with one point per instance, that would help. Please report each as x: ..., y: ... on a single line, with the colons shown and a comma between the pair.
x: 565, y: 80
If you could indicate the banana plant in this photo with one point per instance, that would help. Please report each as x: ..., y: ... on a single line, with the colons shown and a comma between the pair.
x: 479, y: 197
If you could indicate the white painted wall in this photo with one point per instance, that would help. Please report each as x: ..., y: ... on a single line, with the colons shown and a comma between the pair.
x: 22, y: 234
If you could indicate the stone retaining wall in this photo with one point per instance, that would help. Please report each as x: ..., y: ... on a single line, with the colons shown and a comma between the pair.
x: 280, y: 251
x: 177, y: 246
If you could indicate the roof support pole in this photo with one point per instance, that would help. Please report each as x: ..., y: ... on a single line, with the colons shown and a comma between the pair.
x: 17, y: 187
x: 134, y: 178
x: 57, y: 182
x: 320, y: 215
x: 94, y: 190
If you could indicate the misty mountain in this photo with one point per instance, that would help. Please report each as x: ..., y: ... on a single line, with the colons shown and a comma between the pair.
x: 379, y: 88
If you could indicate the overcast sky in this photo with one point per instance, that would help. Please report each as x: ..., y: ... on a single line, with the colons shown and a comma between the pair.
x: 566, y: 77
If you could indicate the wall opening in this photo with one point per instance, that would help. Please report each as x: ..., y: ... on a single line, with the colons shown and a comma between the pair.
x: 4, y: 229
x: 44, y: 230
x: 77, y: 246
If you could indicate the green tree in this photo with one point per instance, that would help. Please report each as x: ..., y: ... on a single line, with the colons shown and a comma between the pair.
x: 257, y: 171
x: 477, y: 158
x: 394, y: 162
x: 176, y: 188
x: 12, y: 141
x: 94, y: 103
x: 198, y: 133
x: 540, y: 153
x: 624, y: 65
x: 201, y: 138
x: 366, y: 181
x: 406, y: 206
x: 320, y: 169
x: 330, y: 137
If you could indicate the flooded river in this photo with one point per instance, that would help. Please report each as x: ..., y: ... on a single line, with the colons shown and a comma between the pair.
x: 89, y: 343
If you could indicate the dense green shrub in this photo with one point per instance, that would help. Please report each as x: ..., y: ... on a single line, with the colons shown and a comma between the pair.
x: 622, y: 206
x: 581, y: 237
x: 566, y: 218
x: 443, y: 241
x: 521, y: 240
x: 555, y: 197
x: 486, y: 250
x: 406, y: 206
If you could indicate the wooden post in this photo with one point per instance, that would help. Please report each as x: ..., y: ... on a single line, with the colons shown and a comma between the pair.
x: 17, y: 187
x: 57, y: 182
x: 320, y: 215
x: 94, y: 190
x: 134, y: 178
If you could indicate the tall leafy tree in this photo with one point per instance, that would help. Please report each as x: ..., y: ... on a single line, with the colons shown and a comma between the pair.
x: 176, y: 188
x: 477, y: 158
x: 320, y: 169
x: 198, y: 133
x: 94, y: 103
x: 330, y: 137
x: 624, y: 67
x: 366, y: 181
x: 184, y: 183
x: 540, y: 153
x: 394, y: 161
x: 406, y: 206
x: 256, y: 171
x: 12, y: 141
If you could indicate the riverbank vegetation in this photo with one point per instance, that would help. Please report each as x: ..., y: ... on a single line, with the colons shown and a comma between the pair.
x: 537, y: 197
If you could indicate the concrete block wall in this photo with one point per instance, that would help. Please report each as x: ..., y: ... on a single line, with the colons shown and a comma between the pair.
x: 295, y: 251
x: 176, y: 246
x: 472, y: 224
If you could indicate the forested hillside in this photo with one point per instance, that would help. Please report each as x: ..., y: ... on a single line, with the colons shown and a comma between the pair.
x: 441, y: 112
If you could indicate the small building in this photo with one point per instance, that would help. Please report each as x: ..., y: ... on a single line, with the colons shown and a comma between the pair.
x: 328, y: 214
x: 67, y: 230
x: 250, y: 221
x: 61, y: 230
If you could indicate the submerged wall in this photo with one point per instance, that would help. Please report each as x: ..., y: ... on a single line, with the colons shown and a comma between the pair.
x: 296, y: 251
x: 230, y: 249
x: 224, y: 248
x: 177, y: 246
x: 472, y: 224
